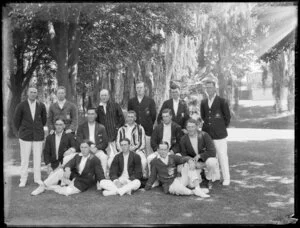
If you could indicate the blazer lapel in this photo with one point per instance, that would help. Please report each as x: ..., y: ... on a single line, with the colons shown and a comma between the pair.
x: 191, y: 147
x: 37, y: 107
x: 61, y: 142
x: 216, y: 100
x: 87, y: 164
x: 121, y: 162
x: 53, y: 144
x: 28, y: 109
x: 86, y: 130
x: 130, y: 161
x: 96, y: 131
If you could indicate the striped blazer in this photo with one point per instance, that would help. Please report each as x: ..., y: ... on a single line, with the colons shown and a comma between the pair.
x: 137, y: 137
x: 112, y: 120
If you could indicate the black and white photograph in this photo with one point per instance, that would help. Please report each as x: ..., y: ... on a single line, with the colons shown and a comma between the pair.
x: 149, y: 113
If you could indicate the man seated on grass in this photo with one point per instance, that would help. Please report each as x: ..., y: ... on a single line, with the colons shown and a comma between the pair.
x: 125, y: 172
x: 164, y: 166
x: 79, y: 173
x: 199, y: 145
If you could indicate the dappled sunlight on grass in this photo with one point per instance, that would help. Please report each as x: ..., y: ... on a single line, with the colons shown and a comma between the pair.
x: 190, y: 214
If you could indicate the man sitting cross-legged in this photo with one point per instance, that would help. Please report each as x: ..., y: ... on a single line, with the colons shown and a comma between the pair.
x: 199, y: 145
x: 81, y: 172
x: 125, y: 172
x: 164, y: 166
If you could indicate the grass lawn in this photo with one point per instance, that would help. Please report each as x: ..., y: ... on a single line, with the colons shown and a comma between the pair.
x: 261, y: 192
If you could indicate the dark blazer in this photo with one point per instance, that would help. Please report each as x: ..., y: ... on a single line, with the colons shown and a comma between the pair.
x: 91, y: 173
x: 145, y: 112
x: 182, y: 113
x: 206, y: 147
x: 112, y: 120
x: 67, y: 141
x: 101, y: 139
x: 29, y: 129
x: 165, y: 173
x: 216, y: 119
x: 176, y: 134
x: 134, y: 166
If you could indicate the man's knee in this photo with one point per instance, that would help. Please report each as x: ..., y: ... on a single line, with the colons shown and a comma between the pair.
x: 211, y: 162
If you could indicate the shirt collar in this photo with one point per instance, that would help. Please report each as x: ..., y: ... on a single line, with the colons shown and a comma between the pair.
x: 164, y: 159
x: 61, y: 102
x: 212, y: 97
x: 29, y: 102
x: 168, y: 125
x: 102, y: 104
x: 59, y: 134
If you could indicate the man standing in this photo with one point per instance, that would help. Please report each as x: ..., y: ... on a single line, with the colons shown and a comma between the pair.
x: 29, y: 119
x: 96, y: 133
x: 180, y: 111
x: 136, y: 134
x: 82, y: 172
x: 199, y: 145
x: 63, y: 109
x: 145, y: 111
x: 216, y: 116
x: 164, y: 167
x: 125, y: 172
x: 110, y: 115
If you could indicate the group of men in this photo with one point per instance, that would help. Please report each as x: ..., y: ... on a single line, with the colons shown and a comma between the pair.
x: 121, y: 155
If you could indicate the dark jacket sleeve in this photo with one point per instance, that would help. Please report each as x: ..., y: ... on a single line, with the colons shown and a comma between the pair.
x: 202, y: 111
x: 180, y: 160
x: 18, y: 116
x: 99, y: 174
x: 183, y: 149
x: 47, y: 152
x: 210, y: 150
x: 44, y: 114
x: 72, y: 163
x: 50, y: 119
x: 120, y: 116
x: 114, y: 168
x: 178, y: 135
x: 79, y: 137
x: 103, y: 145
x: 159, y: 117
x: 154, y: 139
x: 74, y: 113
x: 152, y: 177
x: 153, y: 110
x: 137, y: 174
x: 226, y: 112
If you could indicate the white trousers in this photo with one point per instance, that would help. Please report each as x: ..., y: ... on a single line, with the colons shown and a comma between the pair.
x: 111, y: 152
x: 53, y: 179
x: 110, y: 186
x: 188, y: 178
x: 148, y: 146
x: 212, y: 166
x: 25, y: 150
x: 221, y: 149
x: 104, y: 161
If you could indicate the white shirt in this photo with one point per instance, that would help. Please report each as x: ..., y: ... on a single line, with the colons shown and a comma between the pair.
x: 61, y: 103
x: 128, y: 131
x: 167, y: 134
x: 82, y: 163
x: 175, y: 106
x: 210, y: 102
x: 164, y: 160
x: 57, y: 142
x: 32, y: 106
x: 104, y: 106
x: 125, y: 174
x: 194, y: 142
x: 92, y: 132
x: 140, y: 99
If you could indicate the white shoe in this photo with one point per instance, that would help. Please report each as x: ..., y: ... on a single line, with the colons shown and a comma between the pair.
x: 38, y: 191
x: 22, y: 184
x: 205, y: 190
x: 155, y: 184
x: 199, y: 192
x: 226, y: 182
x: 109, y: 193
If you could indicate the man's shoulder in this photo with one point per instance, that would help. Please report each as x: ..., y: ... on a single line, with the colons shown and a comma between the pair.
x: 175, y: 125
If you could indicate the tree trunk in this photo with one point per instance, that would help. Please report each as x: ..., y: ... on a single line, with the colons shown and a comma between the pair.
x: 14, y: 100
